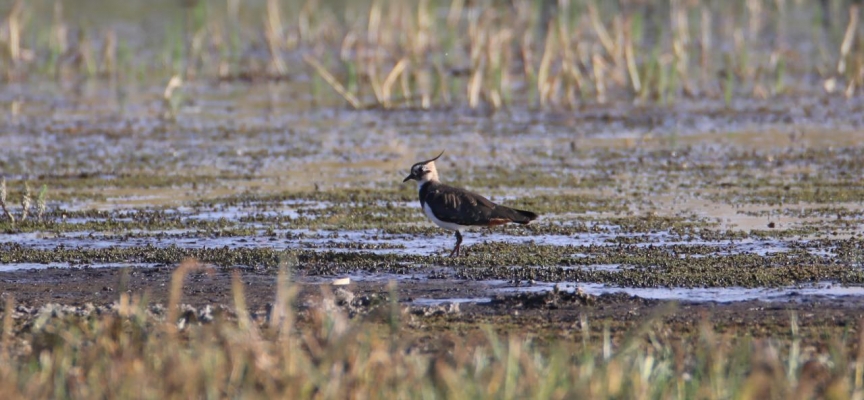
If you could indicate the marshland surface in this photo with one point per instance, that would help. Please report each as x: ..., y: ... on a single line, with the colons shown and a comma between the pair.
x: 724, y: 190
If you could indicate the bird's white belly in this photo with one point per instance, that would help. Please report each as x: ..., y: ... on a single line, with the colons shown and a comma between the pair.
x: 446, y: 225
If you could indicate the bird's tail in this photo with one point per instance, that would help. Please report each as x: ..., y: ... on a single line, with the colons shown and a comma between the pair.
x: 521, y: 216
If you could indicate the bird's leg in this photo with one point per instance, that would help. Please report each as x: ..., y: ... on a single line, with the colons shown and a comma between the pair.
x: 455, y: 252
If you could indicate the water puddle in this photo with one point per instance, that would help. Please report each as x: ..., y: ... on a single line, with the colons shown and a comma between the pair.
x: 66, y: 265
x: 719, y: 295
x: 452, y: 300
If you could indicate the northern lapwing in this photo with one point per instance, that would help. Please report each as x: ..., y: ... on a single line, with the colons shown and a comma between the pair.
x: 455, y: 208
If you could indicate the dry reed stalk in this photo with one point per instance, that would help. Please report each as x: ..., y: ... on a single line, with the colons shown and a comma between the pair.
x: 848, y: 37
x: 26, y: 202
x: 858, y: 375
x: 274, y: 19
x: 599, y: 67
x: 85, y: 53
x: 443, y: 82
x: 244, y: 321
x: 505, y: 84
x: 424, y: 85
x: 422, y: 37
x: 124, y: 305
x: 282, y: 317
x: 196, y: 47
x: 573, y: 79
x: 630, y: 58
x: 405, y: 85
x: 350, y: 53
x: 59, y: 32
x: 348, y: 96
x: 8, y: 326
x: 478, y: 41
x: 681, y: 42
x: 274, y: 37
x: 619, y: 65
x: 455, y: 13
x: 109, y: 53
x: 754, y: 8
x: 605, y: 39
x: 527, y: 54
x: 544, y: 84
x: 781, y: 23
x: 373, y: 30
x: 41, y: 205
x: 349, y: 42
x: 3, y: 200
x: 497, y: 76
x: 475, y: 84
x: 374, y: 81
x: 304, y: 20
x: 705, y: 44
x: 176, y: 292
x: 387, y: 87
x: 173, y: 84
x: 740, y: 46
x: 13, y: 22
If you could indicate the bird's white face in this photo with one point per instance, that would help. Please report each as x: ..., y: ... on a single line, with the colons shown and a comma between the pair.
x: 423, y: 173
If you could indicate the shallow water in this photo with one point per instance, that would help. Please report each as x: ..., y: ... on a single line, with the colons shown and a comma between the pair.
x: 625, y: 192
x: 720, y: 295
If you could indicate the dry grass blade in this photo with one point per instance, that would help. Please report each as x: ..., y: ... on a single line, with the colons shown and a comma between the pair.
x: 281, y: 318
x: 387, y: 86
x: 630, y: 57
x: 176, y: 292
x: 274, y: 37
x: 373, y: 29
x: 173, y: 84
x: 600, y: 29
x: 599, y: 67
x: 109, y: 53
x: 26, y: 202
x: 544, y: 84
x: 848, y: 37
x: 3, y: 200
x: 455, y: 13
x: 8, y: 325
x: 331, y: 80
x: 243, y: 319
x: 443, y: 82
x: 705, y: 43
x: 13, y: 21
x: 475, y: 85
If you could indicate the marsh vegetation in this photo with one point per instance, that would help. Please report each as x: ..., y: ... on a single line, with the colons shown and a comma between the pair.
x: 183, y: 181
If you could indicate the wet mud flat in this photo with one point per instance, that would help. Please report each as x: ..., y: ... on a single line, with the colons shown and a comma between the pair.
x: 703, y: 212
x: 464, y: 308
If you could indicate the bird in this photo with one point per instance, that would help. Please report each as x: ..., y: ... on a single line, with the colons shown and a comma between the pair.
x: 455, y: 208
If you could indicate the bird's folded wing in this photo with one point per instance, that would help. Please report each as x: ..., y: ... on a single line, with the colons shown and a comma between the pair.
x: 460, y: 206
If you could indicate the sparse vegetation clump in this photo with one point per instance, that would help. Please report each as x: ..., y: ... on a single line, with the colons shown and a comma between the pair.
x: 134, y: 349
x: 27, y: 203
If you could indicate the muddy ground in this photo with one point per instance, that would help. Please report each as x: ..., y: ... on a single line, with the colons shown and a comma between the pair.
x: 741, y: 216
x: 821, y: 321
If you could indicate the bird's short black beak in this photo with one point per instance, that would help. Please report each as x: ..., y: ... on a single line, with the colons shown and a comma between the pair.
x: 408, y: 178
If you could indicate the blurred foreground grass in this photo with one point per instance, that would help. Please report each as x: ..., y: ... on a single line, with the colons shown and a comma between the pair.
x: 134, y: 350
